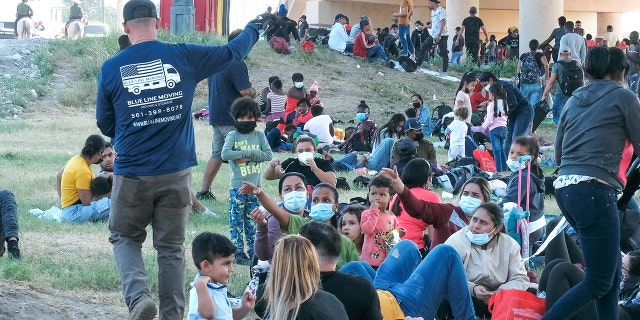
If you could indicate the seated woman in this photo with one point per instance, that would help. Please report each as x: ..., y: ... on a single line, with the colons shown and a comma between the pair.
x: 366, y: 45
x: 293, y: 193
x: 394, y: 129
x: 324, y: 203
x: 293, y: 286
x: 349, y: 224
x: 316, y: 170
x: 527, y: 146
x: 444, y: 218
x: 414, y: 287
x: 76, y: 195
x: 416, y: 177
x: 491, y: 258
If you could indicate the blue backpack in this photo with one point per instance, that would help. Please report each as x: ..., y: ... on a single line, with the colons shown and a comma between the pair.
x: 529, y: 71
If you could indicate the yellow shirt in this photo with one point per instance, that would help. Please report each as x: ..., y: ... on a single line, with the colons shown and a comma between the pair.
x: 76, y: 175
x: 389, y: 306
x: 409, y: 5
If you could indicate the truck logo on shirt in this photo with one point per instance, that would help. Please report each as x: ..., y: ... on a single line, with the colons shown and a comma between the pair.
x: 148, y: 75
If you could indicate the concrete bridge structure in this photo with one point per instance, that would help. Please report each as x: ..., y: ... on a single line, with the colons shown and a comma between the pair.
x: 535, y: 18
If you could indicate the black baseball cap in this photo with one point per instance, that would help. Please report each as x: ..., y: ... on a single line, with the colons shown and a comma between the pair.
x: 340, y: 16
x: 135, y: 9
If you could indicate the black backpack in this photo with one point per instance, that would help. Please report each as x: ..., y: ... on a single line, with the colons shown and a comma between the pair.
x: 572, y: 77
x: 441, y: 122
x: 407, y: 64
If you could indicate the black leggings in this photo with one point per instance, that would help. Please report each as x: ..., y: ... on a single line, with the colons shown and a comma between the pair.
x: 557, y: 278
x: 562, y: 247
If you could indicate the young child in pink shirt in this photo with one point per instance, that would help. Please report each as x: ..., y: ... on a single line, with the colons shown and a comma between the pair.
x: 379, y: 225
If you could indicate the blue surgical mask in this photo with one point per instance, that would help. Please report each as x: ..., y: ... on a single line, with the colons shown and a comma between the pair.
x: 513, y: 165
x: 298, y: 84
x: 469, y: 205
x: 478, y: 238
x: 295, y: 201
x: 361, y: 116
x: 322, y: 212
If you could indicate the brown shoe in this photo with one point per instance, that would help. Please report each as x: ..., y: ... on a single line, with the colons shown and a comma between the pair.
x: 144, y: 309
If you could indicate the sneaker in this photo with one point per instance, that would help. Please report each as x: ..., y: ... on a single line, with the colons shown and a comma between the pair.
x: 442, y: 74
x: 208, y: 212
x: 205, y: 195
x: 144, y: 309
x: 12, y: 247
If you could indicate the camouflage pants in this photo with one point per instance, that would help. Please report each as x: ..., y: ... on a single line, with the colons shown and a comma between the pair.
x: 240, y: 207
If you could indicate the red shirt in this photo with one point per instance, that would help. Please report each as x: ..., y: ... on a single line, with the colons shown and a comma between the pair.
x: 415, y: 227
x: 302, y: 118
x: 361, y: 44
x: 477, y: 98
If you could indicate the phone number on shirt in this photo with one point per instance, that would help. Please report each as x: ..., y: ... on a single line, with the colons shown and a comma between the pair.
x: 155, y: 112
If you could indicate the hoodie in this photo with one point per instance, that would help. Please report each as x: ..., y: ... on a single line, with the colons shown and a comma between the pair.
x: 536, y: 196
x: 594, y: 125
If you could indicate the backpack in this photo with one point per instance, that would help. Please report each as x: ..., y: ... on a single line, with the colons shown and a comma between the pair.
x: 437, y: 121
x: 572, y: 77
x: 407, y: 64
x: 529, y: 71
x: 442, y: 124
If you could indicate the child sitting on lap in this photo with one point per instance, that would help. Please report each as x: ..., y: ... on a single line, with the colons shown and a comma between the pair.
x: 378, y: 223
x: 213, y: 255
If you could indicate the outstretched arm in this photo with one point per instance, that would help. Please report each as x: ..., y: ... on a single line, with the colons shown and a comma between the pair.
x: 279, y: 213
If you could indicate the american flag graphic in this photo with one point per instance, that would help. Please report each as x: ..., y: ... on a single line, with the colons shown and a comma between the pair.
x: 139, y: 70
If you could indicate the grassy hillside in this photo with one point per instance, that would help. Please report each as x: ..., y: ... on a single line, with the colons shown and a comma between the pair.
x: 78, y: 258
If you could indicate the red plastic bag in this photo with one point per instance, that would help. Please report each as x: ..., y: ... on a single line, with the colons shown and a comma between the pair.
x: 485, y: 160
x: 307, y: 46
x: 515, y: 304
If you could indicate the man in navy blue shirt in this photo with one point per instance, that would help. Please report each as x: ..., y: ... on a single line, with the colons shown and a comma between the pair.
x: 224, y: 88
x: 144, y: 103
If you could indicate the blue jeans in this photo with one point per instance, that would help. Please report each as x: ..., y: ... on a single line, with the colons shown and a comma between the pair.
x: 559, y: 100
x: 498, y: 137
x: 379, y: 158
x: 633, y: 83
x: 597, y: 223
x: 8, y: 216
x: 377, y: 53
x: 419, y: 285
x: 519, y: 125
x: 96, y: 211
x: 455, y: 57
x: 531, y: 91
x: 405, y: 39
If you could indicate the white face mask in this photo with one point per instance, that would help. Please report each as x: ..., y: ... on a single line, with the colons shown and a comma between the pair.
x: 295, y: 201
x: 469, y: 205
x: 304, y: 156
x: 479, y: 239
x: 513, y: 165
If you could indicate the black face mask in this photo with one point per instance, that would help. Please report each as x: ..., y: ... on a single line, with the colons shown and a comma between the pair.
x: 245, y: 126
x: 417, y: 104
x: 419, y: 137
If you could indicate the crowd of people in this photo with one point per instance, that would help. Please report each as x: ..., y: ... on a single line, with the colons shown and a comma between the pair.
x: 401, y: 252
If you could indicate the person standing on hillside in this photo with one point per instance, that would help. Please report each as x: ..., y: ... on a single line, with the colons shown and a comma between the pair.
x: 224, y: 88
x: 439, y: 32
x: 555, y: 35
x: 404, y: 26
x: 575, y: 42
x: 22, y: 11
x: 151, y: 125
x: 471, y: 26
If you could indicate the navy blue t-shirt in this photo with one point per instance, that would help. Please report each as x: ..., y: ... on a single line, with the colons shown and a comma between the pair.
x: 144, y: 100
x: 224, y: 89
